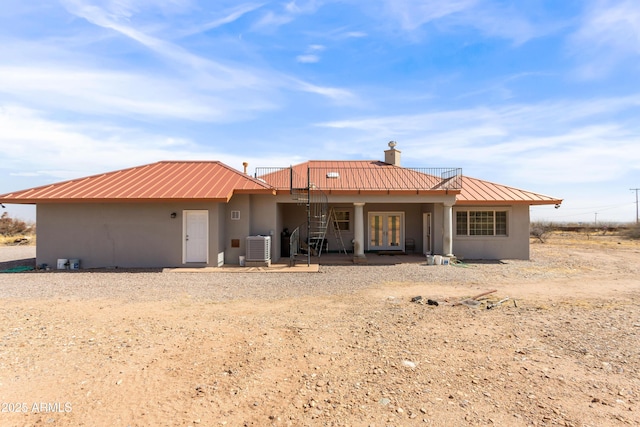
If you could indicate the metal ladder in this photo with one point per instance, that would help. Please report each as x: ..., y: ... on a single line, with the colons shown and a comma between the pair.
x: 318, y: 217
x: 337, y: 233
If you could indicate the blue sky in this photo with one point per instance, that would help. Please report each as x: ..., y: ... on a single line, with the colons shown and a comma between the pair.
x: 542, y: 95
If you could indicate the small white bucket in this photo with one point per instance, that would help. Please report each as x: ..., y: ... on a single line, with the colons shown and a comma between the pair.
x: 242, y: 258
x: 437, y: 259
x: 63, y: 263
x: 74, y: 264
x: 445, y: 260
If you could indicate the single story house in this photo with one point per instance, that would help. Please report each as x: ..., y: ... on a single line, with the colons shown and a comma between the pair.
x: 205, y: 213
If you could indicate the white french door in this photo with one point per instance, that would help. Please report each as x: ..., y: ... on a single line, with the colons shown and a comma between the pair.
x: 195, y: 236
x: 386, y: 231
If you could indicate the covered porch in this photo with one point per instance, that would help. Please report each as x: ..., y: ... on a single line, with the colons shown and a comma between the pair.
x: 379, y: 229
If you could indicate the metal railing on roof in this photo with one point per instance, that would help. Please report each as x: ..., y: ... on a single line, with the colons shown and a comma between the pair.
x: 370, y: 178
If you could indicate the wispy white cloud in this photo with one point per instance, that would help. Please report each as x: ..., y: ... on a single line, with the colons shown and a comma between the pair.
x: 302, y: 6
x: 563, y: 141
x: 336, y: 94
x: 35, y: 145
x: 119, y: 93
x: 609, y: 34
x: 355, y: 34
x: 501, y: 22
x: 209, y: 74
x: 308, y: 58
x: 228, y: 17
x: 580, y: 155
x: 73, y: 148
x: 340, y: 33
x: 125, y: 9
x: 411, y: 14
x: 501, y: 86
x: 486, y: 16
x: 93, y: 85
x: 271, y: 20
x: 227, y: 76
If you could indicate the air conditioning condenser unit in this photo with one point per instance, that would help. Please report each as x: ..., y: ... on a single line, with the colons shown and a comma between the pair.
x: 258, y: 248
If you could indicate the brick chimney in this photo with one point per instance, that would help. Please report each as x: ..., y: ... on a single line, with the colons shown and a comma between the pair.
x: 392, y: 156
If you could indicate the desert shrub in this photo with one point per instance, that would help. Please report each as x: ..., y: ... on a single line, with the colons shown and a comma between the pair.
x: 540, y: 230
x: 12, y: 226
x: 632, y: 232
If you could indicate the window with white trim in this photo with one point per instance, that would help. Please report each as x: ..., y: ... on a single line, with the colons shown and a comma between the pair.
x: 343, y: 218
x: 481, y: 223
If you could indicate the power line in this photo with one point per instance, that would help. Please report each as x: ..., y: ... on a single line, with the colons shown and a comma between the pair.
x: 636, y: 190
x: 587, y: 209
x: 583, y: 211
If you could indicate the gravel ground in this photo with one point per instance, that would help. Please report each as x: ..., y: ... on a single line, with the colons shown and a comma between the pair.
x: 15, y: 253
x: 145, y: 285
x: 342, y: 347
x: 330, y: 280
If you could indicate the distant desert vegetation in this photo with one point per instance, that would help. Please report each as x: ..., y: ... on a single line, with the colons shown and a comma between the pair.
x: 16, y: 232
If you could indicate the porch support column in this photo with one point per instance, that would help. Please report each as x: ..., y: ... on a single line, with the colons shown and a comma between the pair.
x: 358, y: 233
x: 447, y: 238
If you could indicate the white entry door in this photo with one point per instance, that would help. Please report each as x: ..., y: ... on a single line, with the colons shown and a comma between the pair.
x: 196, y: 236
x: 426, y: 233
x: 386, y: 231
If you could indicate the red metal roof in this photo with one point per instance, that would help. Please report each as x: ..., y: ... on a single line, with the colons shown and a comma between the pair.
x: 215, y: 181
x: 374, y: 176
x: 362, y: 176
x: 169, y: 180
x: 478, y: 192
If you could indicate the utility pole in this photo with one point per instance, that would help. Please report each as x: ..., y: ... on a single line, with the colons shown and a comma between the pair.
x: 596, y: 221
x: 636, y: 190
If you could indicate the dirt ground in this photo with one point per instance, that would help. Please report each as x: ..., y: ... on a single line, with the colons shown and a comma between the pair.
x: 563, y: 350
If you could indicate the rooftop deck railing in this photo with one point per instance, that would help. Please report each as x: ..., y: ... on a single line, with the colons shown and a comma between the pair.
x: 377, y: 178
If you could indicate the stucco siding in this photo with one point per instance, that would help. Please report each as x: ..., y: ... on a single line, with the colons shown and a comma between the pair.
x: 238, y: 228
x: 127, y: 235
x: 513, y: 246
x: 219, y: 228
x: 264, y: 221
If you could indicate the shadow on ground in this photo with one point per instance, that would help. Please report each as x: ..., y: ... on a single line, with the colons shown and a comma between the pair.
x: 26, y: 262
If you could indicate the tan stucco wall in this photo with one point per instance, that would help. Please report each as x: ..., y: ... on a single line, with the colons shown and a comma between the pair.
x: 217, y: 231
x: 258, y: 216
x: 264, y: 221
x: 118, y: 235
x: 236, y: 229
x: 513, y: 246
x: 144, y: 235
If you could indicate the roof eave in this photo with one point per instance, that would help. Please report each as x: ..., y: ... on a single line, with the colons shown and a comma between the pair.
x: 507, y: 202
x: 113, y: 200
x: 383, y: 192
x: 270, y: 191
